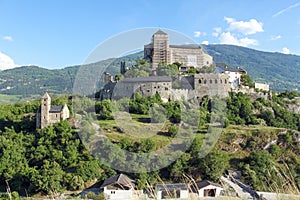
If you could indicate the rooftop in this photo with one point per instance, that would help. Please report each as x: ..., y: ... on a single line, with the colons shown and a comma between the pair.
x: 120, y: 179
x: 205, y: 183
x: 147, y: 79
x: 54, y: 109
x: 187, y: 46
x: 225, y: 67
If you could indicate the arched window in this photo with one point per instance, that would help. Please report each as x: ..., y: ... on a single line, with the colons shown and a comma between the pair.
x: 225, y: 81
x: 200, y: 81
x: 216, y: 81
x: 205, y: 81
x: 221, y: 81
x: 210, y: 81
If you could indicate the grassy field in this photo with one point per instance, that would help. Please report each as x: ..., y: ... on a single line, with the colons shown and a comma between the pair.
x: 10, y: 99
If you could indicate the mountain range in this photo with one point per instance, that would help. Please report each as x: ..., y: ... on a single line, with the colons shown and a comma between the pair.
x: 281, y: 71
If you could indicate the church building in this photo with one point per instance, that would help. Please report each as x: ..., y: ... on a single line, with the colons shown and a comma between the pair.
x: 48, y: 115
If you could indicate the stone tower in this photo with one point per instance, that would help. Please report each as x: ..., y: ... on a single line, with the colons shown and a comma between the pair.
x: 161, y: 52
x: 45, y: 109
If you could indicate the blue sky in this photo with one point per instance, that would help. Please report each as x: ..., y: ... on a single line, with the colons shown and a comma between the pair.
x: 60, y: 33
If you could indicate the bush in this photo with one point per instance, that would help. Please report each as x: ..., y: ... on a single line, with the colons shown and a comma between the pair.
x: 172, y: 131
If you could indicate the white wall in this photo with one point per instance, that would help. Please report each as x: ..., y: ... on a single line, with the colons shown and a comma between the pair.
x: 184, y: 194
x: 118, y: 194
x: 262, y: 86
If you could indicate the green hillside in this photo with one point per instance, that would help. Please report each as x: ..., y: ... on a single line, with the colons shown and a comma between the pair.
x: 260, y: 138
x: 281, y: 71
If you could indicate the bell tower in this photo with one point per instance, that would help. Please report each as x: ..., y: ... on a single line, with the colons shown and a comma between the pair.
x: 45, y: 109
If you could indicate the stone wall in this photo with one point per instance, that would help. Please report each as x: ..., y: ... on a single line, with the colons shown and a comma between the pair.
x: 211, y: 84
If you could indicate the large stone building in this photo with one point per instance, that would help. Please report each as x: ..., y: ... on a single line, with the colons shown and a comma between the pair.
x: 47, y: 115
x: 189, y: 88
x: 160, y: 50
x: 146, y: 86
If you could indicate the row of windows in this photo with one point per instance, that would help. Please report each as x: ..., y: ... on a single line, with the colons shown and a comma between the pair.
x: 211, y: 81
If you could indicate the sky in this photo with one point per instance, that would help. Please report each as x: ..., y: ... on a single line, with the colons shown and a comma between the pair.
x: 60, y: 33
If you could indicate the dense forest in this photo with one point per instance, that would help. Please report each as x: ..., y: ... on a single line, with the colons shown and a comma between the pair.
x: 56, y: 158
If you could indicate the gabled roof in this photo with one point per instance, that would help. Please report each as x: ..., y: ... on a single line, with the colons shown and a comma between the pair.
x: 205, y: 183
x: 55, y: 109
x: 119, y: 179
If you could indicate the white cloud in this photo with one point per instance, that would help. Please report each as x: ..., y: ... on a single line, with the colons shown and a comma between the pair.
x: 275, y: 37
x: 286, y: 9
x: 199, y: 34
x: 217, y: 31
x: 205, y: 42
x: 6, y: 62
x: 246, y: 27
x: 285, y: 50
x: 229, y: 38
x: 7, y: 38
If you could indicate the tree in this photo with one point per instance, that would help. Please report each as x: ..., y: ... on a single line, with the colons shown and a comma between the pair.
x: 246, y: 80
x: 213, y: 165
x: 167, y: 70
x: 104, y: 109
x: 49, y: 178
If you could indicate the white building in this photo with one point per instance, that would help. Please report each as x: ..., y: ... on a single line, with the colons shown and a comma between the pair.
x: 118, y: 187
x: 262, y: 86
x: 172, y: 191
x: 208, y: 189
x: 234, y: 74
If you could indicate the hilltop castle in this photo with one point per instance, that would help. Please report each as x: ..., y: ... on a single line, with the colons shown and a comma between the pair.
x: 191, y: 87
x: 47, y: 115
x: 160, y: 50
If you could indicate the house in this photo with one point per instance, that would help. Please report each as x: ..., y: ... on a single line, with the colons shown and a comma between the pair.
x: 208, y: 189
x: 47, y: 115
x: 234, y: 74
x: 118, y: 187
x: 176, y: 190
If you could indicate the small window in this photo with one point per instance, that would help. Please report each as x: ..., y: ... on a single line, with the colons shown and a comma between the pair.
x: 210, y: 81
x: 112, y: 192
x: 44, y: 117
x: 205, y: 81
x: 45, y: 104
x: 56, y: 115
x: 225, y: 81
x: 216, y: 81
x: 200, y: 81
x: 166, y: 88
x: 148, y: 90
x: 221, y: 81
